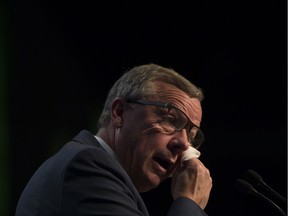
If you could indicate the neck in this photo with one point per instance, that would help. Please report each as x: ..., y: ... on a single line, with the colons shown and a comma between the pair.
x: 107, y: 136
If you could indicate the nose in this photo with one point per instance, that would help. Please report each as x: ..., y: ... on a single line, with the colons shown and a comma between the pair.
x: 179, y: 143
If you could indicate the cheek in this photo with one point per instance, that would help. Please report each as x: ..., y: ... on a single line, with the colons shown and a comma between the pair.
x: 139, y: 140
x: 153, y: 143
x: 146, y: 145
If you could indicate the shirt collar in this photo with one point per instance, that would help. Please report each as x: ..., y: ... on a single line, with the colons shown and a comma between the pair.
x: 106, y: 147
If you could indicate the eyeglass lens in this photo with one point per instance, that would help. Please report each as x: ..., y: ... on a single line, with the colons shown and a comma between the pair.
x: 178, y: 121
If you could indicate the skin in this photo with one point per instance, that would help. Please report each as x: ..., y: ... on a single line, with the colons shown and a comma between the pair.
x: 150, y: 156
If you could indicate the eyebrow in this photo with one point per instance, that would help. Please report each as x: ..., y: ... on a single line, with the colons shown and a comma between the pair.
x: 164, y: 105
x: 153, y: 103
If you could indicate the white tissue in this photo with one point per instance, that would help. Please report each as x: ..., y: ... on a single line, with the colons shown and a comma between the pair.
x: 190, y: 153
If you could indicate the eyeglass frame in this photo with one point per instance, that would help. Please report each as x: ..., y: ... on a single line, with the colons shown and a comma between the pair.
x: 169, y: 106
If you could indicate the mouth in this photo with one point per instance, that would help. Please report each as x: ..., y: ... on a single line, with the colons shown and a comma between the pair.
x: 164, y: 163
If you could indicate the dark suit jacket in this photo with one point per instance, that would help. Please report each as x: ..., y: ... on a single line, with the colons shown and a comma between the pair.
x: 83, y: 179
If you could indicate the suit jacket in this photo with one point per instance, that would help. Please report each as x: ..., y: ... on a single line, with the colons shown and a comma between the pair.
x: 83, y: 179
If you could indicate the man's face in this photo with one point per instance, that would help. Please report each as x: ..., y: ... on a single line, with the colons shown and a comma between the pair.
x: 148, y: 154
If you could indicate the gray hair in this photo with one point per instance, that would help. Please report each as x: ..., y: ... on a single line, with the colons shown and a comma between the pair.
x: 139, y: 83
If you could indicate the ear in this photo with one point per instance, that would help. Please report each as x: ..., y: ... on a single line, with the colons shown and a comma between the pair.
x: 117, y: 110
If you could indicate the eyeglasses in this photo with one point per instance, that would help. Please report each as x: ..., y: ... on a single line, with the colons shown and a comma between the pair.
x: 176, y: 120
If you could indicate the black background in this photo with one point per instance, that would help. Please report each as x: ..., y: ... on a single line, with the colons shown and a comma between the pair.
x: 64, y: 57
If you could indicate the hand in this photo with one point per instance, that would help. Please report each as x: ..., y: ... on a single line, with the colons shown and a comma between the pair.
x: 192, y: 180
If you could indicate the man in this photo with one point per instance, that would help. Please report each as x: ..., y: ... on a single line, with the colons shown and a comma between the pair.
x: 150, y: 121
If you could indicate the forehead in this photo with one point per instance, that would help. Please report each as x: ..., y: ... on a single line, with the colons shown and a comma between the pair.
x: 190, y: 106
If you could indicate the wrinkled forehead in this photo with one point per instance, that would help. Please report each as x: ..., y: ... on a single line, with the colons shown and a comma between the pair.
x: 190, y: 106
x: 194, y: 111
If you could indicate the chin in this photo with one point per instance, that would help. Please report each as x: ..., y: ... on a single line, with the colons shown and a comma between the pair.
x: 149, y: 182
